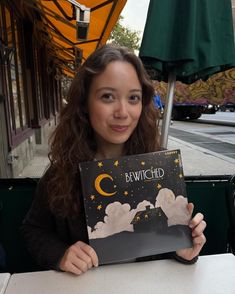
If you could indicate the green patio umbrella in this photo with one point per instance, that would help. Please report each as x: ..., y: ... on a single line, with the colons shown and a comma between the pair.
x: 186, y: 40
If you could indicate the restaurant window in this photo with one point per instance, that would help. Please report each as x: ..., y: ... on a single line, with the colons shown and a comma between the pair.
x: 1, y: 26
x: 20, y: 75
x: 11, y: 76
x: 15, y: 91
x: 38, y: 85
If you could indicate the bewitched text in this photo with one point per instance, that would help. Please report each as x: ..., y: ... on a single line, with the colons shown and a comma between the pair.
x: 145, y: 174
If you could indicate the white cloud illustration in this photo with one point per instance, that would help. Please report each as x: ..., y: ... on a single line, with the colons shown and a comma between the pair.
x: 119, y: 216
x: 118, y: 219
x: 175, y: 208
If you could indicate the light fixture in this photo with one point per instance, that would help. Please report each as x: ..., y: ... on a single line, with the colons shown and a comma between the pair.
x: 82, y: 20
x: 78, y: 57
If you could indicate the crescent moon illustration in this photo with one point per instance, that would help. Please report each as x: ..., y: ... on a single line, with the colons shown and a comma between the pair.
x: 97, y: 185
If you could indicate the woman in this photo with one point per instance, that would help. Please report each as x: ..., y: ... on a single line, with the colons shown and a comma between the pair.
x: 110, y: 113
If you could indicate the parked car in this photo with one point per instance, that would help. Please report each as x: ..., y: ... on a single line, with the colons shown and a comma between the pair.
x: 210, y: 109
x: 230, y: 106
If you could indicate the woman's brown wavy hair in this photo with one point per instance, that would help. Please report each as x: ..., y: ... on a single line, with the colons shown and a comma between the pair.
x: 73, y: 140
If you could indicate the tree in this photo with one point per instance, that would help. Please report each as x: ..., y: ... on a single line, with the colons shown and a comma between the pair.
x: 124, y: 36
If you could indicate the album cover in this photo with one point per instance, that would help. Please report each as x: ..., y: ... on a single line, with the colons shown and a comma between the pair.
x: 136, y: 205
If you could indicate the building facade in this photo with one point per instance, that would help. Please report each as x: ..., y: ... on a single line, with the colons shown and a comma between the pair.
x: 30, y: 87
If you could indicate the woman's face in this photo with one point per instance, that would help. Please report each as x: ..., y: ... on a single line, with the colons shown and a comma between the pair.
x: 115, y: 103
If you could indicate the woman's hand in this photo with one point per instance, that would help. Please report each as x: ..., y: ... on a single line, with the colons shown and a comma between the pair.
x: 198, y: 225
x: 78, y: 258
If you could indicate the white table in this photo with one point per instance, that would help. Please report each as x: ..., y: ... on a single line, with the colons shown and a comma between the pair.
x: 4, y: 278
x: 211, y: 274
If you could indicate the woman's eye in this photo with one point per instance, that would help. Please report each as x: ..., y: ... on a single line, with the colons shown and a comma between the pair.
x: 107, y: 97
x: 134, y: 99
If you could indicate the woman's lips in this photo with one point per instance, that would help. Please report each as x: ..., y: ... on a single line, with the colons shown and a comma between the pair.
x: 118, y: 128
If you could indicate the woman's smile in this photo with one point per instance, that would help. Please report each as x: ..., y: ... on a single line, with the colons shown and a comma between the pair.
x: 119, y: 128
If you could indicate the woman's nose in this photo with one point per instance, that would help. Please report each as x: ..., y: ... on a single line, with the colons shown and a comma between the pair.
x: 121, y: 110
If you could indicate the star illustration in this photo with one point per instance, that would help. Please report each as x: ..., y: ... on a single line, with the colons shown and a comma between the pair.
x: 116, y: 163
x: 142, y: 163
x: 180, y: 175
x: 176, y: 160
x: 100, y: 164
x: 159, y: 186
x: 92, y: 197
x: 99, y: 207
x: 125, y: 193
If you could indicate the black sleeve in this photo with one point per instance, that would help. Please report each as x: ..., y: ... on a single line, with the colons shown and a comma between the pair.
x: 39, y: 231
x: 168, y: 255
x: 184, y: 261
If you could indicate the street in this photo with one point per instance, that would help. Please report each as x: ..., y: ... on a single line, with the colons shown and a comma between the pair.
x: 222, y: 129
x: 219, y: 117
x: 207, y: 149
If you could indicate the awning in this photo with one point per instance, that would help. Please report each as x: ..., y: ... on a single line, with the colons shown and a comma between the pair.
x: 57, y: 22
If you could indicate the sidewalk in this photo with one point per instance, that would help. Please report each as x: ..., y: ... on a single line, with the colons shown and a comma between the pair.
x: 196, y: 161
x: 200, y: 161
x: 37, y: 165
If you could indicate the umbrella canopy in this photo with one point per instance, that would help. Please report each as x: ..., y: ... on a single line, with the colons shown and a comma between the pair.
x: 186, y: 40
x: 191, y: 38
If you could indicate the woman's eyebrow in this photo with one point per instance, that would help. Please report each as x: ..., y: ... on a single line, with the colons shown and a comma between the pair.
x: 105, y: 89
x: 136, y: 90
x: 115, y: 90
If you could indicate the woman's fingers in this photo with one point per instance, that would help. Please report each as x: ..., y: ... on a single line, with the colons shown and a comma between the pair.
x: 80, y: 264
x: 196, y: 220
x: 83, y: 256
x: 199, y: 240
x: 190, y: 208
x: 199, y: 229
x: 78, y: 258
x: 198, y: 225
x: 90, y: 252
x: 74, y: 270
x: 198, y: 243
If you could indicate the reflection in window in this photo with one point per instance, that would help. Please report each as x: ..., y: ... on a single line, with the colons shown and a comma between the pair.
x: 38, y: 83
x: 20, y: 75
x: 15, y: 76
x: 14, y: 93
x: 12, y: 70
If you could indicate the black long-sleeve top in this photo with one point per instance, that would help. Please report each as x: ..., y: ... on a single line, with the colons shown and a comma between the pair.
x: 47, y: 236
